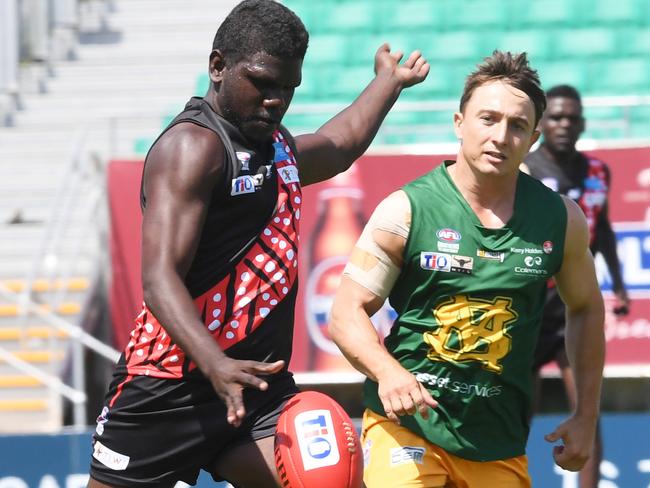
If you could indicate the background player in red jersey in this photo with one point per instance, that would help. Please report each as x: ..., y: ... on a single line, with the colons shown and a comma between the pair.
x: 203, y: 380
x: 586, y: 180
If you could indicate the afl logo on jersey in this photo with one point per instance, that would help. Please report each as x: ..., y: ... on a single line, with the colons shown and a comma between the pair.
x: 244, y: 159
x: 448, y: 235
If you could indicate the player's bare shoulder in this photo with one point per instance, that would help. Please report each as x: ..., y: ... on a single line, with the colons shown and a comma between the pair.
x: 393, y: 214
x: 187, y: 151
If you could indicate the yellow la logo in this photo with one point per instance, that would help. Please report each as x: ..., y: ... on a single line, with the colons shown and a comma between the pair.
x: 472, y: 329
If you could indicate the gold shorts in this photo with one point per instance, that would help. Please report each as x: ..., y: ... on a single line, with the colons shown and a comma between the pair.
x: 395, y: 457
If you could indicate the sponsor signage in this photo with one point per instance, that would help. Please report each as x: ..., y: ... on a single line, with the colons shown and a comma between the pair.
x: 64, y: 458
x: 629, y: 208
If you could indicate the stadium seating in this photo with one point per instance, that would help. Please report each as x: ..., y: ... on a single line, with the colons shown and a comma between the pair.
x: 25, y: 402
x: 599, y: 46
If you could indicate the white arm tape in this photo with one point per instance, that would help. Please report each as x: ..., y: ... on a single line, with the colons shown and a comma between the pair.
x: 369, y: 265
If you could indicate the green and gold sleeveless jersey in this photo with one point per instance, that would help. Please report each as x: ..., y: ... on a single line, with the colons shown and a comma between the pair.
x: 469, y: 301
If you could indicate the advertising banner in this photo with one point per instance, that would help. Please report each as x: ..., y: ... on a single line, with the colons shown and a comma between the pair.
x: 375, y: 177
x: 61, y: 461
x: 125, y: 292
x: 333, y: 215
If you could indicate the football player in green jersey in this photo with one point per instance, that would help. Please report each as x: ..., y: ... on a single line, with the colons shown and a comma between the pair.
x: 464, y: 254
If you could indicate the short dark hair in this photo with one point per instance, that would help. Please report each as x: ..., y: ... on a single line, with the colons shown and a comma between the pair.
x: 564, y: 91
x: 511, y: 68
x: 255, y: 26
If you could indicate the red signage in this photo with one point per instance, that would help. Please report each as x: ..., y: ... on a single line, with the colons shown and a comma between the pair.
x: 333, y: 215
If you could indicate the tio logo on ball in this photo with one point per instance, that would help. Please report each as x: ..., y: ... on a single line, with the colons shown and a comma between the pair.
x: 316, y: 439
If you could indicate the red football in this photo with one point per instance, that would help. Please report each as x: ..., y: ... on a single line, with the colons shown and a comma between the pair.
x: 316, y: 444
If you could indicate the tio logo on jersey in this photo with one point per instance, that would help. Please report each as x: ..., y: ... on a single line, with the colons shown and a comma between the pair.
x: 436, y: 261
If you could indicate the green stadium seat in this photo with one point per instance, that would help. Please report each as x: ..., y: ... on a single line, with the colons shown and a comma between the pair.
x: 344, y: 84
x: 327, y: 48
x: 445, y: 81
x: 599, y: 46
x: 409, y: 15
x: 608, y: 12
x: 604, y: 132
x: 535, y: 42
x: 640, y: 113
x: 141, y: 145
x: 464, y: 44
x: 309, y: 89
x: 408, y: 42
x: 639, y: 130
x: 603, y: 113
x: 361, y: 48
x: 574, y: 73
x: 589, y: 42
x: 630, y: 76
x: 344, y: 16
x: 635, y: 41
x: 476, y: 14
x: 644, y: 13
x: 166, y: 120
x: 605, y: 122
x: 542, y: 13
x: 428, y: 117
x: 305, y: 123
x: 639, y: 121
x: 201, y: 85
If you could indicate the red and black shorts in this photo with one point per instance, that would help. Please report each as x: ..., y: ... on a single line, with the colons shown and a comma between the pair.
x: 160, y: 431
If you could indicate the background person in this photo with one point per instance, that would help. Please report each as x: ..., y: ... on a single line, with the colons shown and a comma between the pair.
x: 586, y: 180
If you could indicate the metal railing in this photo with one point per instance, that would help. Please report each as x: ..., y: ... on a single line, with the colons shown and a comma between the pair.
x: 82, y: 187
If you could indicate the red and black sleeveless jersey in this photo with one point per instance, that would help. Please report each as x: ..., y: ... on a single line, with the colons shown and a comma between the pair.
x: 585, y: 180
x: 243, y: 278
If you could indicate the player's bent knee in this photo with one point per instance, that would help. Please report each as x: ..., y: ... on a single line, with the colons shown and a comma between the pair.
x: 249, y: 465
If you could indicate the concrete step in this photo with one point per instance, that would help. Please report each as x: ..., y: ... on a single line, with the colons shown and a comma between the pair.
x: 94, y: 86
x: 29, y: 333
x: 17, y: 381
x: 71, y: 71
x: 43, y: 356
x: 181, y: 19
x: 31, y: 415
x: 41, y: 285
x: 21, y: 265
x: 65, y: 309
x: 18, y: 390
x: 121, y: 103
x: 10, y: 152
x: 36, y: 210
x: 136, y: 12
x: 197, y: 50
x: 24, y: 404
x: 27, y: 240
x: 80, y: 113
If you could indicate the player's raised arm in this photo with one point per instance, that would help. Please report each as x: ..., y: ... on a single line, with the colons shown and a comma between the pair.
x: 585, y: 342
x: 345, y: 137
